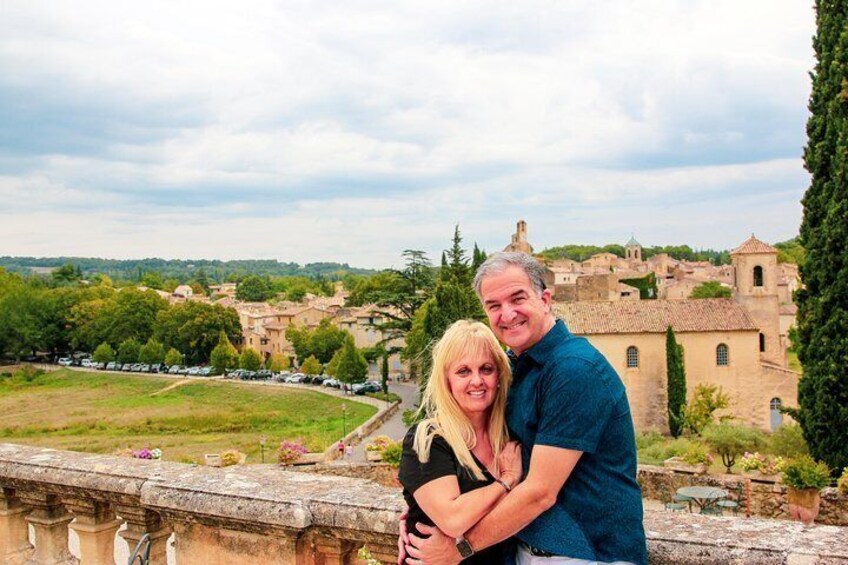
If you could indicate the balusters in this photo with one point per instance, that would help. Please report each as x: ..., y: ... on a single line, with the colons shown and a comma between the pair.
x: 15, y: 548
x: 96, y: 525
x: 50, y: 520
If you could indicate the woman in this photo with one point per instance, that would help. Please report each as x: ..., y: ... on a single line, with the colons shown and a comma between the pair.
x: 457, y: 462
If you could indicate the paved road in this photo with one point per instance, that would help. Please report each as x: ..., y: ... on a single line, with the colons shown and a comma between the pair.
x: 394, y: 426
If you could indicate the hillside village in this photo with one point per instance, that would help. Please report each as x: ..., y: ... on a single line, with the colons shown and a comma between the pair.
x: 737, y: 343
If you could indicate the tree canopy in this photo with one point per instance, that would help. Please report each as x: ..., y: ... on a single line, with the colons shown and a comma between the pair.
x: 711, y: 289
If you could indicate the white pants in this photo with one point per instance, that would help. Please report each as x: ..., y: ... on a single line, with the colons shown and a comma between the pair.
x: 524, y: 557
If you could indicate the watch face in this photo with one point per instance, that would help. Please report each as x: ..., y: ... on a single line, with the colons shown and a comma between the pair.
x: 464, y: 548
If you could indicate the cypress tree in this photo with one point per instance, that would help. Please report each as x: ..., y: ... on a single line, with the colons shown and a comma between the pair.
x: 676, y: 383
x: 823, y: 300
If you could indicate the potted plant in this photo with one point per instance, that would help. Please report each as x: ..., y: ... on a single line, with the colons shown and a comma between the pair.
x: 761, y: 467
x: 374, y: 449
x: 804, y: 478
x: 696, y: 459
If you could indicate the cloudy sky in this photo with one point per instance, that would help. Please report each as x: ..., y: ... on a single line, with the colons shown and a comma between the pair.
x: 349, y: 131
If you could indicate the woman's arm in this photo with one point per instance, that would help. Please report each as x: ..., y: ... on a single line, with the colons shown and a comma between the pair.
x: 453, y: 512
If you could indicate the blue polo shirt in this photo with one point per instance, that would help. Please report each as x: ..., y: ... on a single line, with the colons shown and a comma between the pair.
x: 565, y: 394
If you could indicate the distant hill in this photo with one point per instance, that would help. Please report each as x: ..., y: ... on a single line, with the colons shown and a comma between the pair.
x: 789, y: 251
x: 215, y: 270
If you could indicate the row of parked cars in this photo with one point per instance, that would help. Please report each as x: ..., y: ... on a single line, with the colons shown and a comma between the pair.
x: 241, y: 374
x: 300, y: 378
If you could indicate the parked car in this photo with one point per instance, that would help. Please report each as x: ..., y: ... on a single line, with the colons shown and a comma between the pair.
x: 362, y: 388
x: 205, y: 371
x: 65, y: 361
x: 319, y: 379
x: 126, y: 367
x: 264, y: 374
x: 113, y: 366
x: 87, y: 363
x: 331, y: 383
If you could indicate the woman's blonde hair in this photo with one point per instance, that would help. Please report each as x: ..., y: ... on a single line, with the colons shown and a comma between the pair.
x: 442, y: 414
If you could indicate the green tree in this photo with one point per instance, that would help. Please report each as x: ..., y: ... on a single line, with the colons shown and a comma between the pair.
x: 67, y: 273
x: 250, y: 359
x: 311, y: 366
x: 24, y: 311
x: 194, y: 328
x: 278, y: 362
x: 823, y: 299
x: 224, y: 355
x: 332, y: 367
x: 322, y: 342
x: 791, y: 251
x: 104, y: 353
x: 731, y: 440
x: 173, y: 357
x: 676, y: 372
x: 352, y: 366
x: 152, y: 352
x: 453, y: 299
x: 711, y: 289
x: 128, y: 351
x: 254, y: 288
x: 152, y: 279
x: 706, y: 399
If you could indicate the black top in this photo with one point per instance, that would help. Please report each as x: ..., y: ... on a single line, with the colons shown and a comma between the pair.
x: 443, y: 462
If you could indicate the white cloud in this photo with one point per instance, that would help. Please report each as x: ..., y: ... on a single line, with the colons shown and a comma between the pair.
x: 352, y: 131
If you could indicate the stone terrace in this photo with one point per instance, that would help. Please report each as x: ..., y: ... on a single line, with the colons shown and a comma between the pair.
x: 262, y: 514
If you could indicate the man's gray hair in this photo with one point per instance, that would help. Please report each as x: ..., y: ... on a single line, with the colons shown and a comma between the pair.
x: 499, y: 262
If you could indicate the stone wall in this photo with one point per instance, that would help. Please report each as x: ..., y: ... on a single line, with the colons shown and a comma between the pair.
x: 248, y: 515
x: 756, y: 496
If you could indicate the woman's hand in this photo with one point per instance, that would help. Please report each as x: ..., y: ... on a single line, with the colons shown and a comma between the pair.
x: 509, y: 463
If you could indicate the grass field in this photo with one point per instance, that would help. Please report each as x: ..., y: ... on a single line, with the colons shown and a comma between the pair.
x: 101, y: 413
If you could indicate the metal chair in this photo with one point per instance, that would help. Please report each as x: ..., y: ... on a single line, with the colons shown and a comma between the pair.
x: 732, y: 504
x: 672, y: 504
x: 141, y: 553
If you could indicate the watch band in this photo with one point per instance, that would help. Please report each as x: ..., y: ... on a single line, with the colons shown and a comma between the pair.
x: 504, y: 484
x: 463, y: 547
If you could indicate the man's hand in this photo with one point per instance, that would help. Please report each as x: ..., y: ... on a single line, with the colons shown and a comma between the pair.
x: 438, y: 549
x: 403, y: 537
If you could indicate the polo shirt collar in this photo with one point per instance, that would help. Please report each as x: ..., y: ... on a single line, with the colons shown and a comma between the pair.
x: 542, y: 350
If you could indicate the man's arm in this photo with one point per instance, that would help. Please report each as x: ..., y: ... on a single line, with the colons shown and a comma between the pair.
x: 550, y: 467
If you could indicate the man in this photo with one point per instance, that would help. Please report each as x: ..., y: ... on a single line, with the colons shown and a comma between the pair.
x: 580, y: 502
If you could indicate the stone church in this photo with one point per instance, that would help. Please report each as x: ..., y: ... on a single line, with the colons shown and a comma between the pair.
x: 734, y: 343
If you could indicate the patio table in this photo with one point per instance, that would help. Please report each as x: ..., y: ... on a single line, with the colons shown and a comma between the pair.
x: 704, y: 497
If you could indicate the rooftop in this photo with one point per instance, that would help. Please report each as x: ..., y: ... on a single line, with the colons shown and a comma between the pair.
x: 654, y: 316
x: 753, y: 246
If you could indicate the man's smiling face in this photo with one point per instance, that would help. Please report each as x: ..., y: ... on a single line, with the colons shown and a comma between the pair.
x: 517, y: 314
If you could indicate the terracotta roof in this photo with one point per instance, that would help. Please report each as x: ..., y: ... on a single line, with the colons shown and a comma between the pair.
x: 654, y: 316
x: 753, y: 245
x: 789, y: 308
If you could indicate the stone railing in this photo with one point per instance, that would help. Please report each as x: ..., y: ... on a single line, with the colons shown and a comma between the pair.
x: 263, y: 514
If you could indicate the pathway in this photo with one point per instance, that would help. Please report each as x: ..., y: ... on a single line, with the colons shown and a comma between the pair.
x: 394, y: 426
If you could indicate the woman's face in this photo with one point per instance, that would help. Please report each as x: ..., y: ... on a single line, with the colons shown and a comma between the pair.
x: 473, y: 381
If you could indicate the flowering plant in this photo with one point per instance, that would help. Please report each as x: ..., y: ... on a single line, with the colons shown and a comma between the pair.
x: 365, y: 555
x: 147, y: 453
x: 842, y: 482
x: 763, y: 463
x: 231, y: 457
x: 290, y: 451
x: 378, y: 443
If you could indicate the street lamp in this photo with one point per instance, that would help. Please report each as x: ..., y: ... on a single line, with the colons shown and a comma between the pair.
x: 262, y: 441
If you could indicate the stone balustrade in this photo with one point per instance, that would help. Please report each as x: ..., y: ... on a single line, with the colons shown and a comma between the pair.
x: 263, y: 514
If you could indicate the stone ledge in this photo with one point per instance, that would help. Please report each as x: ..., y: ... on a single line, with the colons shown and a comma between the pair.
x: 268, y: 500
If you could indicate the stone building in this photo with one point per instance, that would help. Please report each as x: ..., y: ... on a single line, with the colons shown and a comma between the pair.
x: 721, y: 342
x: 519, y: 239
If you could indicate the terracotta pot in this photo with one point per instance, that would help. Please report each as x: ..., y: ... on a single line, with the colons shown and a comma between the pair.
x: 803, y: 504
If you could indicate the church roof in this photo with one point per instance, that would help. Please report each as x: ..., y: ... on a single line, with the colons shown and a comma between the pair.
x: 753, y: 245
x: 632, y: 242
x: 654, y: 316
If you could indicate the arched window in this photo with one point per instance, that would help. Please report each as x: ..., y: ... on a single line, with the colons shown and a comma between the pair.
x: 776, y: 416
x: 632, y: 357
x: 758, y: 276
x: 762, y: 343
x: 722, y: 357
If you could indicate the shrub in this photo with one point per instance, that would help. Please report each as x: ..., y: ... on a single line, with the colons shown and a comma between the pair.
x: 311, y: 366
x: 788, y: 441
x: 644, y: 440
x: 250, y: 359
x: 378, y: 443
x: 290, y: 452
x: 390, y: 397
x: 393, y: 453
x: 656, y: 453
x: 730, y: 440
x: 705, y: 401
x: 173, y: 357
x: 278, y: 362
x: 103, y: 354
x: 230, y: 457
x: 805, y: 472
x: 842, y: 482
x: 697, y: 454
